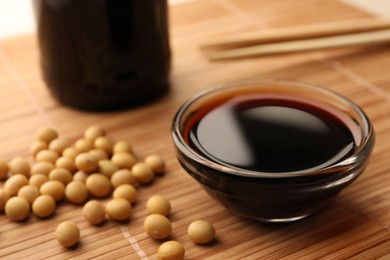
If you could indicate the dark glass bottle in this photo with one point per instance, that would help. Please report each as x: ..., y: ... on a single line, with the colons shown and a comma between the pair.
x: 104, y: 54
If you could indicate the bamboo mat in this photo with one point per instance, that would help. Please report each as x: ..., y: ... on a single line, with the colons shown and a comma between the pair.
x: 356, y: 225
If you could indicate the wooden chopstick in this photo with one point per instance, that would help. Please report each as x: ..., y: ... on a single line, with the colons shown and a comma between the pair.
x: 365, y: 38
x: 298, y: 32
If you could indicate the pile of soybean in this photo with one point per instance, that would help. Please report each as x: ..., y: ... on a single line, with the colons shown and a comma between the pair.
x: 93, y: 166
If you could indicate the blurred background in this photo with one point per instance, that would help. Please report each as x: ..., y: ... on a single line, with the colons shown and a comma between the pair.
x: 16, y: 17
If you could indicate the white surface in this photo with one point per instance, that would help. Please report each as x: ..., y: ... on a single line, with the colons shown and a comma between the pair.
x: 375, y: 7
x: 17, y: 17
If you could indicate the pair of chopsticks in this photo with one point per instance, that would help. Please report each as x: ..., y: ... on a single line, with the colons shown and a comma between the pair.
x: 300, y: 38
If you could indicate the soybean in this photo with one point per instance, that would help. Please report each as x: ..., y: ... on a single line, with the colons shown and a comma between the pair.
x: 66, y: 163
x: 171, y: 250
x: 123, y: 160
x: 13, y: 184
x: 118, y: 209
x: 37, y: 180
x: 46, y: 134
x: 53, y: 188
x: 157, y: 226
x: 107, y: 167
x: 156, y: 163
x: 142, y: 173
x: 83, y: 145
x: 158, y: 204
x: 104, y: 143
x: 70, y: 152
x: 123, y: 176
x: 29, y: 192
x: 43, y: 167
x: 19, y: 165
x: 76, y: 192
x: 94, y: 212
x: 99, y: 154
x: 201, y: 232
x: 59, y: 145
x: 122, y: 147
x: 47, y: 156
x: 37, y: 146
x: 17, y: 209
x: 61, y: 174
x: 93, y: 132
x: 125, y: 191
x: 67, y: 233
x: 43, y: 206
x: 80, y: 176
x: 98, y: 185
x: 86, y: 162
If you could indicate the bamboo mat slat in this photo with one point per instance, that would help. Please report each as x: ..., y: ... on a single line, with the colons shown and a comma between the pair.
x: 356, y: 225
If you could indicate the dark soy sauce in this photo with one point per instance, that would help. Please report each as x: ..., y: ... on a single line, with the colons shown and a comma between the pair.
x: 269, y: 134
x: 104, y: 54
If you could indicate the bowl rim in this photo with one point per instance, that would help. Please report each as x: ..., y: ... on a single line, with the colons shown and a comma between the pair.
x: 366, y: 145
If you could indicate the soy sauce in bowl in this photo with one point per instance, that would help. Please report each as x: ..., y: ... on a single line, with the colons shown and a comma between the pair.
x: 270, y: 133
x: 272, y: 150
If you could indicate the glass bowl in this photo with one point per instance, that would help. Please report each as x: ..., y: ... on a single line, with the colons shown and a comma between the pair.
x: 281, y: 195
